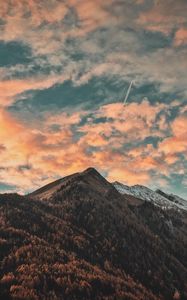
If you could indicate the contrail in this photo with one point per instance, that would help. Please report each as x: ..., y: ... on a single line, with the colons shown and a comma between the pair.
x: 128, y: 92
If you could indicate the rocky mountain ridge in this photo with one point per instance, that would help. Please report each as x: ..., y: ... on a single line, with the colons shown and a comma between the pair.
x: 158, y: 197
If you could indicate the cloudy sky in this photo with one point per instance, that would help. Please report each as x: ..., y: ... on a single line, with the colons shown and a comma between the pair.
x: 65, y: 67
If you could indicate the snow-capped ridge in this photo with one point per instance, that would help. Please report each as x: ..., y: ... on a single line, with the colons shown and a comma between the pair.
x: 158, y: 197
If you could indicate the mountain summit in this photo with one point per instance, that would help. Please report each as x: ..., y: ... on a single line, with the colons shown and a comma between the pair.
x: 79, y: 238
x: 90, y: 176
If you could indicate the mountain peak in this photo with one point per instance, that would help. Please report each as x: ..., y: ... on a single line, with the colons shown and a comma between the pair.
x: 89, y: 176
x: 91, y: 171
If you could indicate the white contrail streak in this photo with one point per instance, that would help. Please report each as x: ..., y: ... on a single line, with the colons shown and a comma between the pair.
x: 128, y: 92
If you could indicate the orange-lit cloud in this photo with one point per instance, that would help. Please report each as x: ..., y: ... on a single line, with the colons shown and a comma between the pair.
x: 44, y: 150
x: 33, y: 152
x: 177, y: 142
x: 54, y: 148
x: 164, y: 16
x: 132, y: 143
x: 181, y: 37
x: 41, y: 26
x: 92, y: 13
x: 13, y: 87
x: 42, y: 29
x: 37, y: 10
x: 128, y: 176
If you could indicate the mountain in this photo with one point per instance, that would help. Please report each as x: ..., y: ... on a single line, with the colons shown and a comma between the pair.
x: 180, y: 202
x: 79, y: 238
x: 90, y: 176
x: 158, y: 197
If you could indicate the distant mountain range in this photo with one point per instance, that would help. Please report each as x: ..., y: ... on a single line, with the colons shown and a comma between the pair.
x: 82, y: 237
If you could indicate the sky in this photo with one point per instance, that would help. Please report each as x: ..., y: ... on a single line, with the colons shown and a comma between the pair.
x: 65, y: 67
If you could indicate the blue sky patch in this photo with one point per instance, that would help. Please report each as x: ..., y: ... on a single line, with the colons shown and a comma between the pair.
x: 13, y: 53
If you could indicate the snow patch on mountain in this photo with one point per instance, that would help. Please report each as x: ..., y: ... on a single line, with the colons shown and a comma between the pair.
x: 161, y: 199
